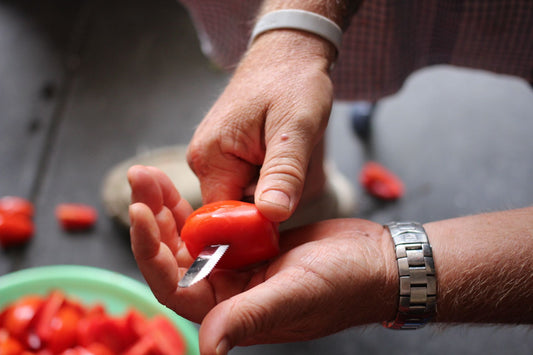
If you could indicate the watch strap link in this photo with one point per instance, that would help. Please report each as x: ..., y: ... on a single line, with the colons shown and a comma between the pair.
x: 418, y: 285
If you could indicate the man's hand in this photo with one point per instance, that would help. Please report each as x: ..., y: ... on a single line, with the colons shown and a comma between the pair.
x: 258, y: 137
x: 329, y: 276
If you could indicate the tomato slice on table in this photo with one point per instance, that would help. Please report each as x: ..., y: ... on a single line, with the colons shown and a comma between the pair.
x: 15, y: 229
x: 380, y: 182
x: 16, y: 205
x: 251, y: 236
x: 76, y: 216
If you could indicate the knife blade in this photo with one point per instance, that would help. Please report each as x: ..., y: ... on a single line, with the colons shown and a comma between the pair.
x: 203, y: 265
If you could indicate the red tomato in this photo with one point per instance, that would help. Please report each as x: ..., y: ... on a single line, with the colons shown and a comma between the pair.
x: 15, y: 229
x: 380, y: 182
x: 144, y: 346
x: 168, y: 341
x: 76, y: 216
x: 111, y: 332
x: 16, y: 205
x: 136, y: 323
x: 251, y: 236
x: 18, y: 317
x: 55, y: 324
x: 9, y: 345
x: 64, y: 327
x: 99, y: 349
x: 49, y: 310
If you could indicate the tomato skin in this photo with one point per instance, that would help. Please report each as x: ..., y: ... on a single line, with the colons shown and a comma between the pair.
x: 15, y: 229
x: 109, y: 331
x: 17, y: 318
x: 168, y: 341
x: 380, y: 182
x: 16, y: 205
x: 63, y: 327
x: 57, y: 325
x: 251, y: 236
x: 76, y: 216
x: 9, y: 345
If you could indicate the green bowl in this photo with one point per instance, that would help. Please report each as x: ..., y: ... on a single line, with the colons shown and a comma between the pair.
x: 93, y: 285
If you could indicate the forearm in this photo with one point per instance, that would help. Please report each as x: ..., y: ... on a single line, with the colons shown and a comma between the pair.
x: 484, y: 266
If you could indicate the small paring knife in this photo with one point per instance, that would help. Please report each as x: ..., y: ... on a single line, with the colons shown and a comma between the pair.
x: 203, y: 265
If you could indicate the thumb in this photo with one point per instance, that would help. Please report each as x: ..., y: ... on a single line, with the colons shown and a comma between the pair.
x: 241, y: 320
x: 283, y: 175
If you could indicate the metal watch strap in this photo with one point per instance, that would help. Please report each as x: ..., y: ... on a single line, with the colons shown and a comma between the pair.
x: 418, y: 285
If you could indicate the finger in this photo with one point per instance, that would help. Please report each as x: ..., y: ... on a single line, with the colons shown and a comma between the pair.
x: 179, y: 206
x: 283, y: 175
x: 167, y: 229
x: 154, y: 258
x: 153, y: 188
x: 144, y: 188
x: 245, y: 318
x: 223, y: 176
x: 161, y: 270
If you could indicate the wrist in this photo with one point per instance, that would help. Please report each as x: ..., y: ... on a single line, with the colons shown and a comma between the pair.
x: 417, y: 300
x: 389, y: 306
x: 283, y: 46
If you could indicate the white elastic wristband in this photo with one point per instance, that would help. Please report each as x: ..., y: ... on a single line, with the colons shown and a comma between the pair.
x: 299, y: 20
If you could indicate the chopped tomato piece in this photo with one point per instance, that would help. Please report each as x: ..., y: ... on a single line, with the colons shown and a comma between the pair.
x: 167, y: 339
x: 64, y: 328
x: 16, y: 205
x: 55, y: 324
x: 380, y: 182
x: 99, y: 349
x: 15, y: 229
x: 9, y: 345
x: 144, y: 346
x: 17, y: 318
x: 111, y: 332
x: 43, y: 320
x: 76, y: 216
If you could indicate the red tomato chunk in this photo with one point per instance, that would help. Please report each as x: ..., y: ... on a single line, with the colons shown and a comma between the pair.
x: 16, y: 225
x: 76, y: 216
x: 55, y: 324
x: 380, y: 182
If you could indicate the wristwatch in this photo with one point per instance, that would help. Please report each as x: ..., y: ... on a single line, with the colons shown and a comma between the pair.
x: 418, y: 285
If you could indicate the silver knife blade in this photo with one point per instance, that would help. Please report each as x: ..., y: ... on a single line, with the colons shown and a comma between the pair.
x: 203, y: 265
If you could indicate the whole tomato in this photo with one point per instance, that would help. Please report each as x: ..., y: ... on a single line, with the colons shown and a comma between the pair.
x: 251, y: 236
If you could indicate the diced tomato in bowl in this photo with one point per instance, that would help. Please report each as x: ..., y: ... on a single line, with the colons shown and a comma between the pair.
x: 78, y: 310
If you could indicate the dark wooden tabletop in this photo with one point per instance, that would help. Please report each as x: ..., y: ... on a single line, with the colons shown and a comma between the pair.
x: 87, y: 84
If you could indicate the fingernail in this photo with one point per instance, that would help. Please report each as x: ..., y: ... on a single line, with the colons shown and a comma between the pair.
x: 223, y: 347
x: 276, y: 197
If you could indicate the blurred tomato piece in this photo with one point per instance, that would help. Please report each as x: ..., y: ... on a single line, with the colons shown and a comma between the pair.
x: 16, y: 205
x: 380, y: 182
x: 15, y: 229
x: 76, y: 216
x: 55, y: 324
